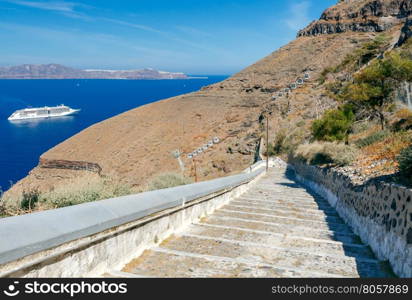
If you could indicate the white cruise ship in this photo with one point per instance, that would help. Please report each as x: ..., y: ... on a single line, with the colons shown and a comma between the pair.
x: 42, y: 112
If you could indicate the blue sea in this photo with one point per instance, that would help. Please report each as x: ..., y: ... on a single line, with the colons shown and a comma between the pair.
x: 22, y: 143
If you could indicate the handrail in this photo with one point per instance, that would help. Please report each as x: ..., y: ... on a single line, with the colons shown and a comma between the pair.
x: 31, y: 233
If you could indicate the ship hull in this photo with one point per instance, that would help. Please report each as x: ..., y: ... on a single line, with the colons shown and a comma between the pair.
x: 30, y: 117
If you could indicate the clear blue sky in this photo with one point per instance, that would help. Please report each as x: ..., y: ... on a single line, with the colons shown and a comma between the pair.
x: 192, y: 36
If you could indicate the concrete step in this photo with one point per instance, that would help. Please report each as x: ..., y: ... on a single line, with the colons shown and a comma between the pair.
x: 294, y: 204
x: 290, y: 207
x: 281, y: 193
x: 276, y: 229
x: 285, y: 213
x: 167, y: 263
x: 285, y: 241
x: 289, y: 221
x: 283, y: 258
x: 283, y: 229
x: 276, y: 190
x: 288, y: 199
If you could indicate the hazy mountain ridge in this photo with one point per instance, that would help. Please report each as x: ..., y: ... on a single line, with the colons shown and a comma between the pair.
x: 56, y: 71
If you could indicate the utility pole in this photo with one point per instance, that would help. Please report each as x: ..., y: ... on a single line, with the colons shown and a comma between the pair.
x: 194, y: 166
x: 267, y: 142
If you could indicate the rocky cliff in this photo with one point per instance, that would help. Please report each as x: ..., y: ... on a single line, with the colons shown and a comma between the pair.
x: 138, y: 144
x: 360, y: 16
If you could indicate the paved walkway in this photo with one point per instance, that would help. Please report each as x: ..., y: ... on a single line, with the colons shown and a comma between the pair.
x: 276, y: 229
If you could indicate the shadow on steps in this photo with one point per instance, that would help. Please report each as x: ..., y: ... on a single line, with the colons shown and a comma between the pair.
x: 351, y: 243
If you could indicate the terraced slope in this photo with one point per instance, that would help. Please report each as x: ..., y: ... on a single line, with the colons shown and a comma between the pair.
x: 276, y: 229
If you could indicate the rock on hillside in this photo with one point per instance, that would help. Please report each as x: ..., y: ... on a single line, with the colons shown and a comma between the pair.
x: 138, y: 144
x: 361, y: 16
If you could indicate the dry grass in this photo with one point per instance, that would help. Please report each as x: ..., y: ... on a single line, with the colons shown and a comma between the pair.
x: 319, y: 153
x: 168, y: 180
x: 380, y: 158
x: 389, y: 147
x: 379, y: 149
x: 76, y: 191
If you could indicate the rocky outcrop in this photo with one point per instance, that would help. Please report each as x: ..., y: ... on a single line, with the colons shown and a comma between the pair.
x: 360, y: 16
x: 406, y: 33
x: 70, y: 165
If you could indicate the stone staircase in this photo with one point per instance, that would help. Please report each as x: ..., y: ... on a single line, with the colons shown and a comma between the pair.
x: 276, y: 229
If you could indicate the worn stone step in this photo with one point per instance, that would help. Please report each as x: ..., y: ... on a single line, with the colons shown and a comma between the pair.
x: 285, y: 213
x: 285, y: 195
x: 291, y: 208
x: 288, y: 199
x: 282, y: 258
x: 289, y: 221
x: 282, y: 228
x: 276, y: 193
x: 313, y: 206
x: 161, y: 262
x: 120, y: 274
x: 276, y: 187
x: 285, y: 241
x: 276, y: 229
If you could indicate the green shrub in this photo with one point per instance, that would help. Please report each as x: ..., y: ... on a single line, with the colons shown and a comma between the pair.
x: 29, y: 199
x: 168, y: 180
x: 335, y: 125
x: 278, y: 144
x: 293, y: 139
x: 365, y: 54
x: 300, y: 123
x: 326, y: 153
x: 404, y: 123
x: 372, y: 88
x: 372, y: 139
x: 405, y: 163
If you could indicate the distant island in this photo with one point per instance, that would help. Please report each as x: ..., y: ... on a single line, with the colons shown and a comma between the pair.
x: 56, y: 71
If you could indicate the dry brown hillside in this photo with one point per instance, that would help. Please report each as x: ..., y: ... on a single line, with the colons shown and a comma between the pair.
x: 137, y: 145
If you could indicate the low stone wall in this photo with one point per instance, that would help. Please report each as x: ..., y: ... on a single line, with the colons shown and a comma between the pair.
x: 90, y: 239
x: 380, y: 213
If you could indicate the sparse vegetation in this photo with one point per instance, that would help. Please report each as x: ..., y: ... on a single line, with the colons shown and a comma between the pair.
x: 403, y: 120
x: 82, y: 192
x: 335, y: 125
x: 77, y: 191
x: 168, y: 180
x: 358, y: 58
x: 359, y: 127
x: 405, y: 163
x: 278, y: 145
x: 373, y: 138
x: 372, y: 89
x: 370, y: 81
x: 319, y: 153
x: 29, y: 199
